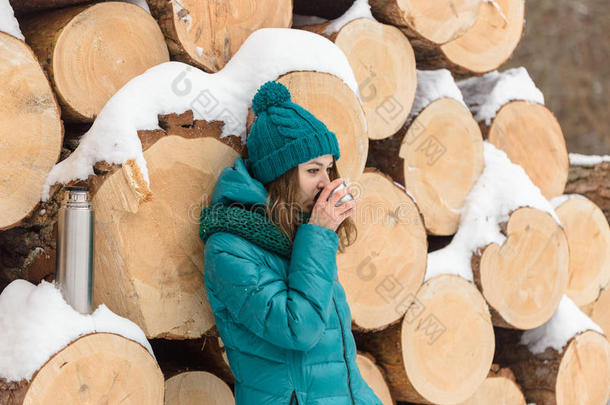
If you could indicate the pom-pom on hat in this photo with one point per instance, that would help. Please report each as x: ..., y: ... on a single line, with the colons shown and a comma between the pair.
x: 284, y: 134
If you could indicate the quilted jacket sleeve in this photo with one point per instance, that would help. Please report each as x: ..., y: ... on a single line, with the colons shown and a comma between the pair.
x: 291, y: 314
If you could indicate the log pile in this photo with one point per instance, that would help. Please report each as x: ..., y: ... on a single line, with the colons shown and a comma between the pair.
x: 412, y: 144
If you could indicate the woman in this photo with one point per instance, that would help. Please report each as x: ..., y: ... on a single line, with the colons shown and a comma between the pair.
x: 270, y: 263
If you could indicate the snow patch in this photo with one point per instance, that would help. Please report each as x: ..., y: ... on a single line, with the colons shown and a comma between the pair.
x: 8, y: 22
x: 359, y: 9
x: 36, y: 322
x: 486, y: 94
x: 587, y: 160
x: 175, y: 87
x: 567, y: 321
x: 502, y: 187
x: 432, y: 85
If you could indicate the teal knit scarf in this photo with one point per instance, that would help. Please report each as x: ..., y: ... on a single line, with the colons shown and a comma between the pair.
x: 248, y: 222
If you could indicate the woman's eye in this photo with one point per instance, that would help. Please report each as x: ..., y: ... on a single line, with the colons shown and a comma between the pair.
x: 313, y: 171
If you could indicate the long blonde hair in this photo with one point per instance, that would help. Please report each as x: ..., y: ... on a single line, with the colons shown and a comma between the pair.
x: 283, y: 209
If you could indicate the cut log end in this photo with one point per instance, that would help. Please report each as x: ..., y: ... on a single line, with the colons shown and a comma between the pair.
x: 442, y: 145
x: 445, y: 361
x: 132, y: 239
x: 384, y: 66
x: 532, y: 138
x: 98, y: 367
x: 379, y: 283
x: 533, y: 261
x: 588, y: 237
x: 432, y: 21
x: 374, y: 377
x: 197, y: 387
x: 207, y: 35
x: 96, y: 33
x: 31, y: 133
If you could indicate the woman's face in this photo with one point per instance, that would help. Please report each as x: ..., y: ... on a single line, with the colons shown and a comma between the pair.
x: 314, y: 175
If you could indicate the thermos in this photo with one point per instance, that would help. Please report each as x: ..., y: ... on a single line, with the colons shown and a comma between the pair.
x: 74, y: 268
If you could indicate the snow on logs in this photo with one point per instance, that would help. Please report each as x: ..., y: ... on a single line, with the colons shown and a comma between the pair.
x: 384, y: 65
x: 31, y: 131
x: 84, y: 73
x: 207, y: 35
x: 52, y: 354
x: 429, y: 356
x: 512, y: 116
x: 565, y: 361
x: 437, y: 154
x: 370, y: 270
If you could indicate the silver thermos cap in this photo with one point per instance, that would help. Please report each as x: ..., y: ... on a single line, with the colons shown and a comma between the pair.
x: 74, y: 268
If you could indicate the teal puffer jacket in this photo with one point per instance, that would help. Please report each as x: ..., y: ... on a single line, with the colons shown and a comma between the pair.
x: 284, y: 321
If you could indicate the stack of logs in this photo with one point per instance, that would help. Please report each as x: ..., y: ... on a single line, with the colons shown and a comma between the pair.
x: 442, y: 341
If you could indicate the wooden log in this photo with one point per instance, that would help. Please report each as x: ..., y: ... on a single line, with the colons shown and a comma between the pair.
x: 374, y: 377
x: 588, y: 236
x: 500, y: 387
x: 485, y: 46
x: 31, y: 131
x: 330, y: 100
x: 599, y: 310
x: 533, y: 261
x: 437, y: 155
x: 592, y: 182
x: 86, y: 55
x: 526, y: 131
x: 384, y: 66
x: 578, y: 374
x: 531, y: 136
x: 207, y: 35
x: 387, y: 262
x: 95, y: 368
x: 442, y: 349
x: 197, y: 387
x: 428, y: 23
x: 148, y: 265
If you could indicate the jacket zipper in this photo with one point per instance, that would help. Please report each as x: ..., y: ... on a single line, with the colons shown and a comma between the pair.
x: 294, y: 396
x: 349, y: 385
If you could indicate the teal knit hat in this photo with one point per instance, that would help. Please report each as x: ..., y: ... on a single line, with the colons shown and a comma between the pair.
x: 284, y: 134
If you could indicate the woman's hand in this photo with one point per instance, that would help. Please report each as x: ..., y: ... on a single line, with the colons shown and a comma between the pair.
x: 324, y: 213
